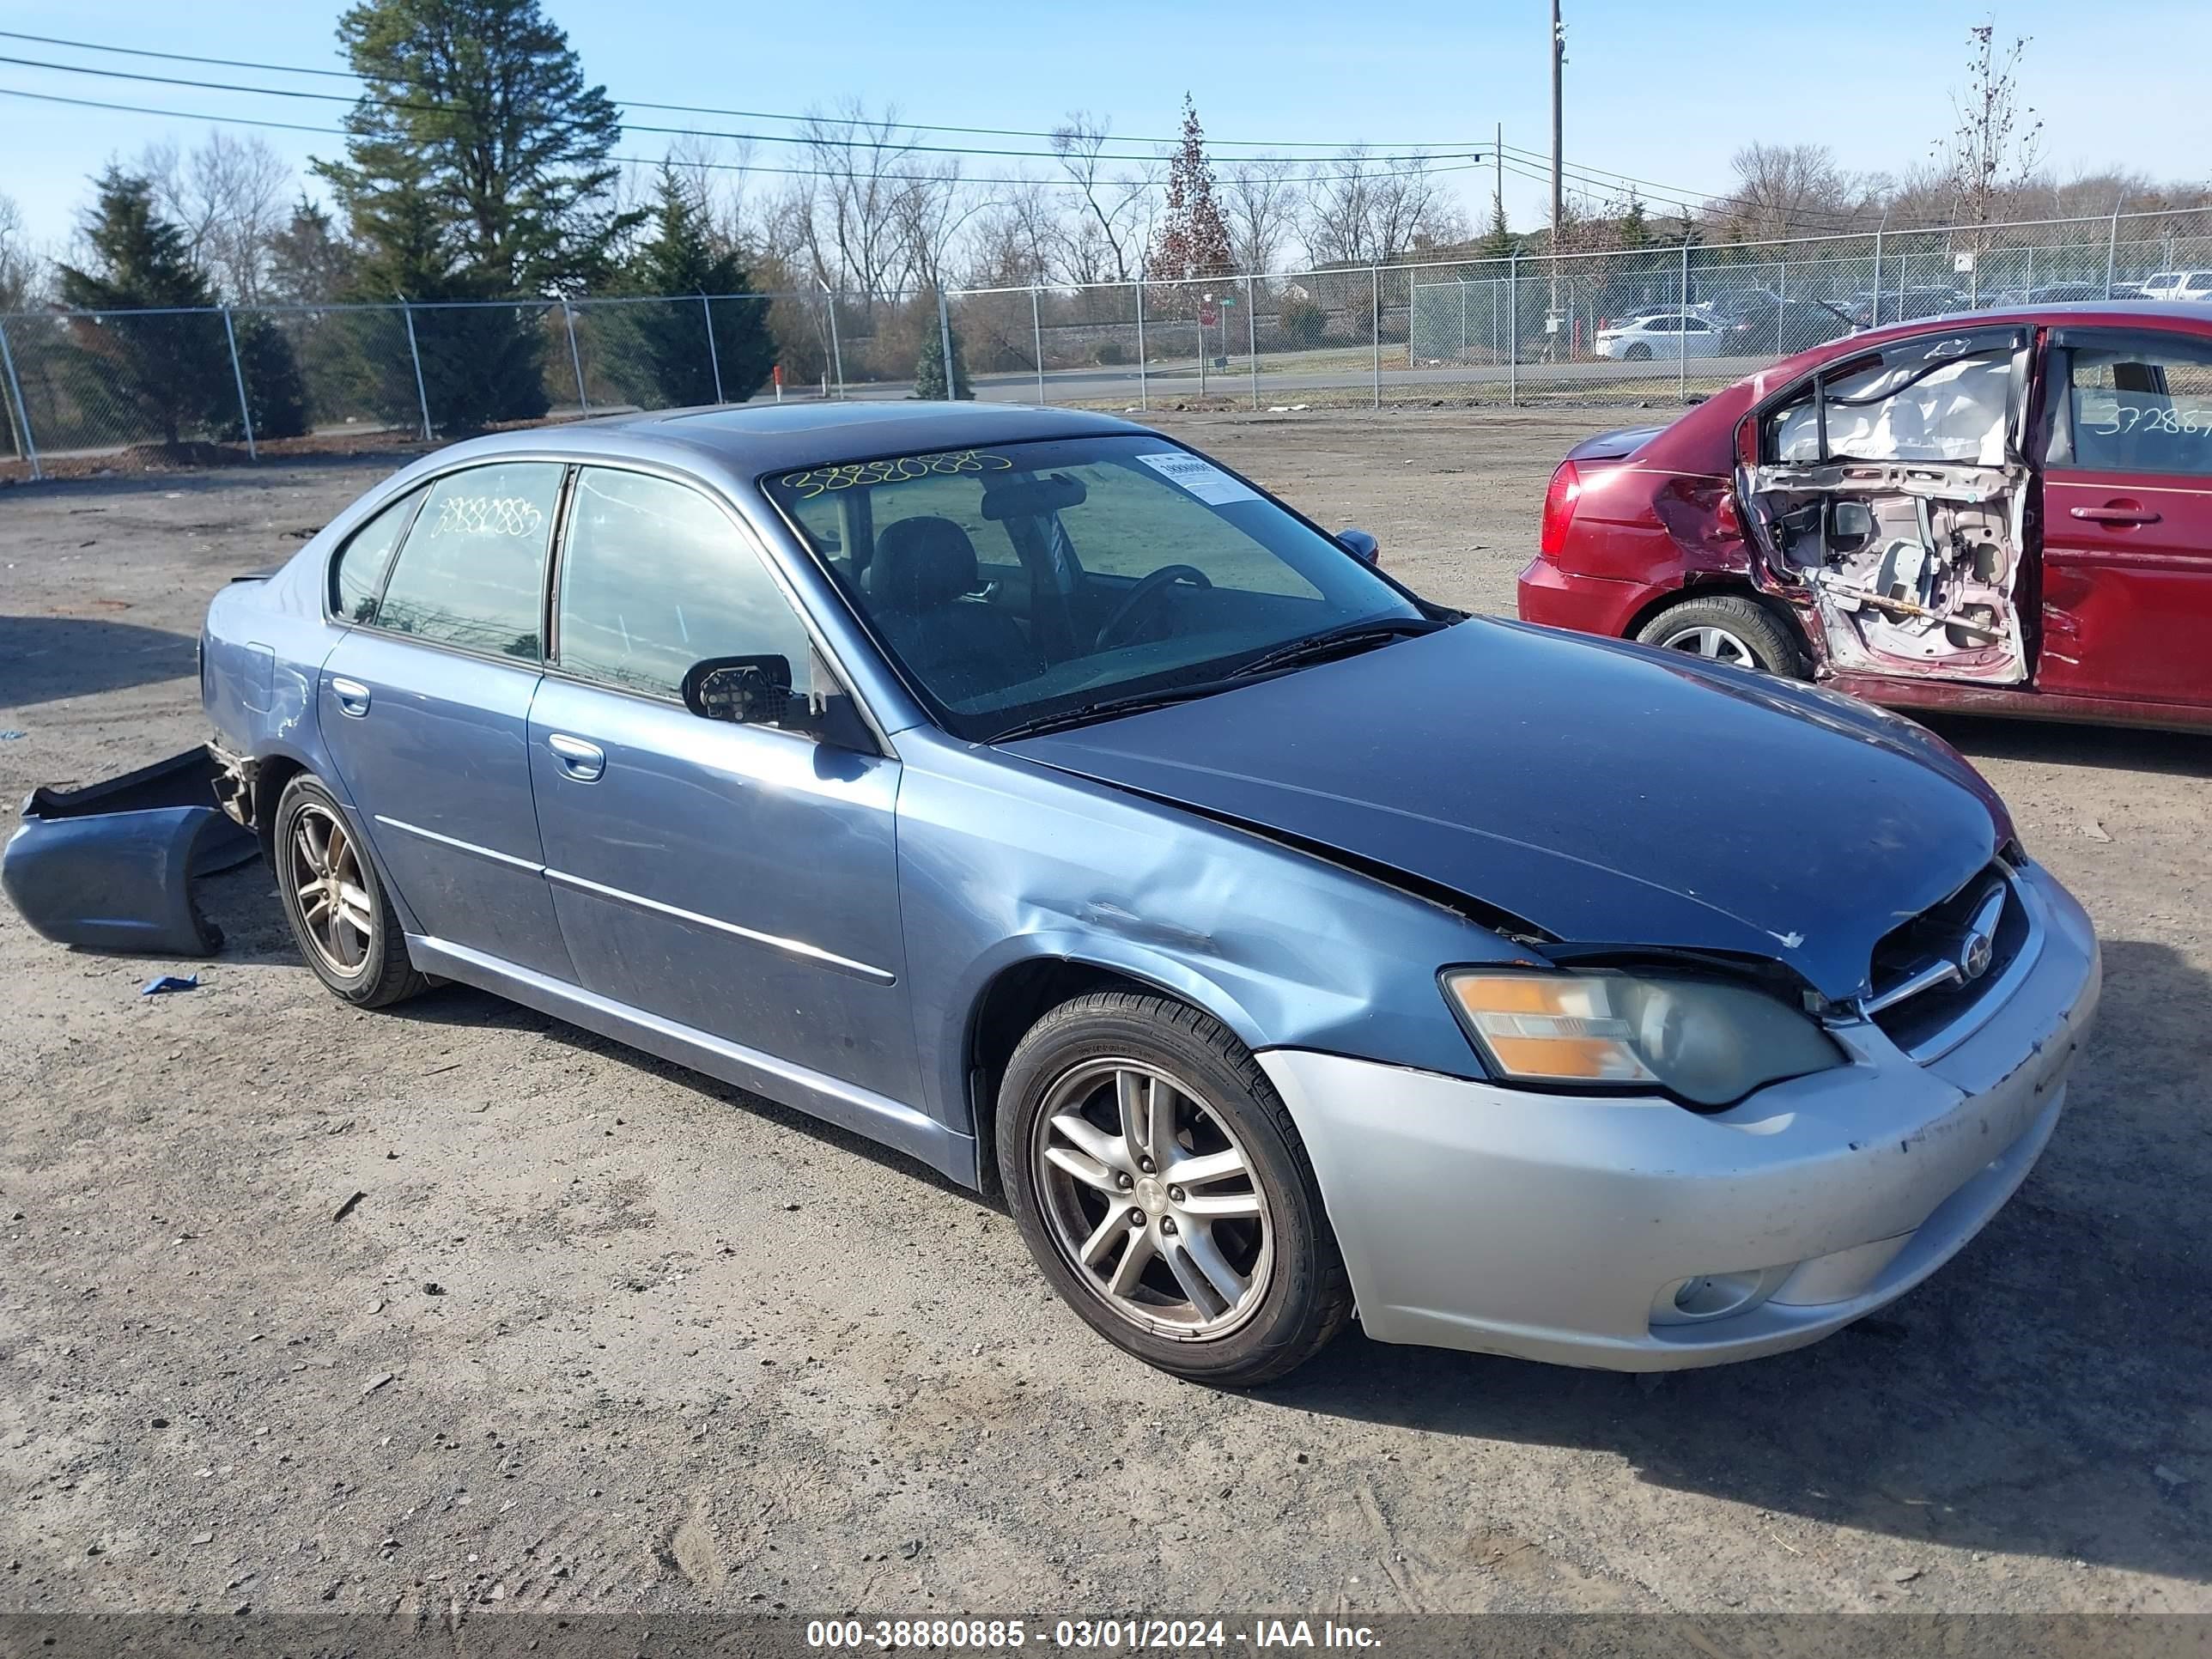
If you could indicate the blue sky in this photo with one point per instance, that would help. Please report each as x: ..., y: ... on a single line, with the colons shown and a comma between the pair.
x: 1658, y: 92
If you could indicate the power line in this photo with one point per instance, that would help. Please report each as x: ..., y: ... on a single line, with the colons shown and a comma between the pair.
x: 1320, y: 146
x: 635, y: 160
x: 1678, y: 196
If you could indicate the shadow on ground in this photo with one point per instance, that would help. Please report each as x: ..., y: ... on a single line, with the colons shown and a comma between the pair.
x: 2044, y: 1394
x: 46, y: 658
x: 2182, y: 754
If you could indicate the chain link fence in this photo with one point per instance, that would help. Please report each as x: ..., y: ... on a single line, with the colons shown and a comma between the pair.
x: 1648, y: 326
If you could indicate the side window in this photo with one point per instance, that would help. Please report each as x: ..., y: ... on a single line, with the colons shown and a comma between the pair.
x: 357, y: 573
x: 654, y: 579
x: 2139, y: 404
x: 471, y: 572
x: 1942, y: 397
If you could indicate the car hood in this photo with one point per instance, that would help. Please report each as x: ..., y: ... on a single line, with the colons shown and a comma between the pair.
x: 1607, y: 793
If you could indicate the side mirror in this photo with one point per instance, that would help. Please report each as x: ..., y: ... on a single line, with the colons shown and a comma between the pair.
x: 742, y: 690
x: 1361, y: 546
x: 756, y: 691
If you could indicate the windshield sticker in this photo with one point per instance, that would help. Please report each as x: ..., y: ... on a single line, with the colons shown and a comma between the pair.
x: 1200, y: 477
x: 899, y: 469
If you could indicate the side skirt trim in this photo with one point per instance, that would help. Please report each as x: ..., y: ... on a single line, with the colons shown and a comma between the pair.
x: 878, y: 1117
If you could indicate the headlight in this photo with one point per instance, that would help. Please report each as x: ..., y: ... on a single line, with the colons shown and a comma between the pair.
x: 1707, y: 1043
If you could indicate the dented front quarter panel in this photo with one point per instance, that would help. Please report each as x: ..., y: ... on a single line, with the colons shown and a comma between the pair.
x: 1003, y: 861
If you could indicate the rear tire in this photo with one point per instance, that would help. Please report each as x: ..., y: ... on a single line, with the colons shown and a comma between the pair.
x: 1727, y: 628
x: 341, y: 917
x: 1158, y: 1181
x: 1638, y: 353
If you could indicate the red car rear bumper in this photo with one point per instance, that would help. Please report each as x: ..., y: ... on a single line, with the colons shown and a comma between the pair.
x: 1588, y: 605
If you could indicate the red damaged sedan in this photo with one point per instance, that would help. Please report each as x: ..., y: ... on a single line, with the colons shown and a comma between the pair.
x: 2008, y: 513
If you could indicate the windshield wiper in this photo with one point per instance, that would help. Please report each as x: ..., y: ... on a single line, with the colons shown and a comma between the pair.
x: 1343, y: 639
x: 1110, y: 707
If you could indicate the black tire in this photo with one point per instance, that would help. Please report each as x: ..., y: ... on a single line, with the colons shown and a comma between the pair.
x: 384, y: 975
x: 1306, y: 1296
x: 1639, y: 353
x: 1772, y: 647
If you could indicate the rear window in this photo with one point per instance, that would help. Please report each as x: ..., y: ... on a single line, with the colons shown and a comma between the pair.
x: 471, y: 572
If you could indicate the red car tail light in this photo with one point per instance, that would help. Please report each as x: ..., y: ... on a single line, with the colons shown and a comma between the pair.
x: 1560, y: 500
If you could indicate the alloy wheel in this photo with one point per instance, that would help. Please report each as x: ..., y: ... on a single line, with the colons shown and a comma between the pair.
x: 1153, y: 1200
x: 338, y: 918
x: 1715, y: 644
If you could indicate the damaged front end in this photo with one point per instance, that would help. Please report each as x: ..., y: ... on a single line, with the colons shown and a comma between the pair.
x: 114, y: 865
x: 1890, y: 503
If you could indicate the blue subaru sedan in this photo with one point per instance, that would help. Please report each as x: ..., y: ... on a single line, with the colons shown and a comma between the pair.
x: 1027, y: 791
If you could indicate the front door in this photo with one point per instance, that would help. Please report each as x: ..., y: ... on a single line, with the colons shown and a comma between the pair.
x: 740, y: 880
x: 424, y: 707
x: 2127, y: 517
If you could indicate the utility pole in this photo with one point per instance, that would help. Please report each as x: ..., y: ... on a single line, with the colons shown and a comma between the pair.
x: 1497, y: 158
x: 1559, y: 63
x: 1559, y: 177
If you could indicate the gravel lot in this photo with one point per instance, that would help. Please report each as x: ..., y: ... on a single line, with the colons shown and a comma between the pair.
x: 602, y: 1333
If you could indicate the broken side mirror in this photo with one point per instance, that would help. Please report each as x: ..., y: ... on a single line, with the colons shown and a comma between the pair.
x: 742, y: 690
x: 1361, y: 546
x: 756, y: 690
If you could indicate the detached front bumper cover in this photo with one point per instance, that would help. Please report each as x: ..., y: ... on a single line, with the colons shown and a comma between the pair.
x: 112, y: 865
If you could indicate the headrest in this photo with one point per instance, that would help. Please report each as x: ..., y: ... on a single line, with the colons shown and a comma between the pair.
x: 921, y: 564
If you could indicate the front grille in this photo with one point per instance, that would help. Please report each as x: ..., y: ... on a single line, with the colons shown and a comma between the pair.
x: 1945, y: 1005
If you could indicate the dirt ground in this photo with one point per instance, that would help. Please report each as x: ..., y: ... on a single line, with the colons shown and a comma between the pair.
x: 602, y: 1333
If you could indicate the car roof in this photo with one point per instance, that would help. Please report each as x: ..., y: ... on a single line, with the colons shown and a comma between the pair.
x: 754, y: 439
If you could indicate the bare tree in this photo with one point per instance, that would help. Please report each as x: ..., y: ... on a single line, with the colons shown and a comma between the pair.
x: 1356, y: 211
x: 1788, y: 190
x: 19, y: 267
x: 229, y: 197
x: 1992, y: 151
x: 1259, y: 199
x: 1106, y: 239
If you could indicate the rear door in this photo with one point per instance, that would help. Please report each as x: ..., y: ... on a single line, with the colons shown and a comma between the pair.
x: 424, y: 706
x: 2127, y: 516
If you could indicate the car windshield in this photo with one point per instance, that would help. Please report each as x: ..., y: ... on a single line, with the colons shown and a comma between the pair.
x: 1026, y: 582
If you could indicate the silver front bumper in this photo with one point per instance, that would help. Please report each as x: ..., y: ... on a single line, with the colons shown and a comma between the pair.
x: 1630, y: 1234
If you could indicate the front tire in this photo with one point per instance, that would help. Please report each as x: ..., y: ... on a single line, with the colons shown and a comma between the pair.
x: 340, y: 915
x: 1728, y: 628
x: 1158, y: 1181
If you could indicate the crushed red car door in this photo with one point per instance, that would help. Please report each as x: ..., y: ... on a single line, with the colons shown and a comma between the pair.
x: 2127, y: 516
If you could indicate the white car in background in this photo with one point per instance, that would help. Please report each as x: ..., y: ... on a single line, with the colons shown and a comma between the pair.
x: 2178, y: 285
x: 1663, y: 335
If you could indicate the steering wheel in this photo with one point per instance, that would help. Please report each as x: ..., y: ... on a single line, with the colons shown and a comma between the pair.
x: 1145, y: 595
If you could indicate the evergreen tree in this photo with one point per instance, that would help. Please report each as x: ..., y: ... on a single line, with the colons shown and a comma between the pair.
x: 1192, y: 239
x: 478, y: 169
x: 929, y: 369
x: 309, y: 263
x: 174, y: 369
x: 1635, y: 224
x: 669, y: 341
x: 481, y: 105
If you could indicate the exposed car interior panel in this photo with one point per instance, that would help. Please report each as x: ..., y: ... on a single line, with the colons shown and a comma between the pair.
x: 1890, y: 502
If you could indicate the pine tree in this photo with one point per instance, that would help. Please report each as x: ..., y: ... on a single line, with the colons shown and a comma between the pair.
x: 929, y: 369
x: 1192, y: 239
x: 669, y: 340
x: 1498, y: 241
x: 174, y: 369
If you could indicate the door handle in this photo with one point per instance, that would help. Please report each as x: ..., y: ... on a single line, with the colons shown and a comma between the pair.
x: 2115, y: 513
x: 352, y: 695
x: 581, y: 761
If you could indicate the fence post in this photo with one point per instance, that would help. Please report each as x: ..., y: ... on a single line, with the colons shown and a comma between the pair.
x: 238, y: 374
x: 1513, y: 329
x: 1875, y: 319
x: 2112, y: 248
x: 713, y: 356
x: 1682, y: 330
x: 944, y: 342
x: 1781, y: 300
x: 22, y: 409
x: 1036, y: 334
x: 1252, y: 339
x: 414, y: 351
x: 1374, y: 293
x: 1144, y: 392
x: 575, y: 357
